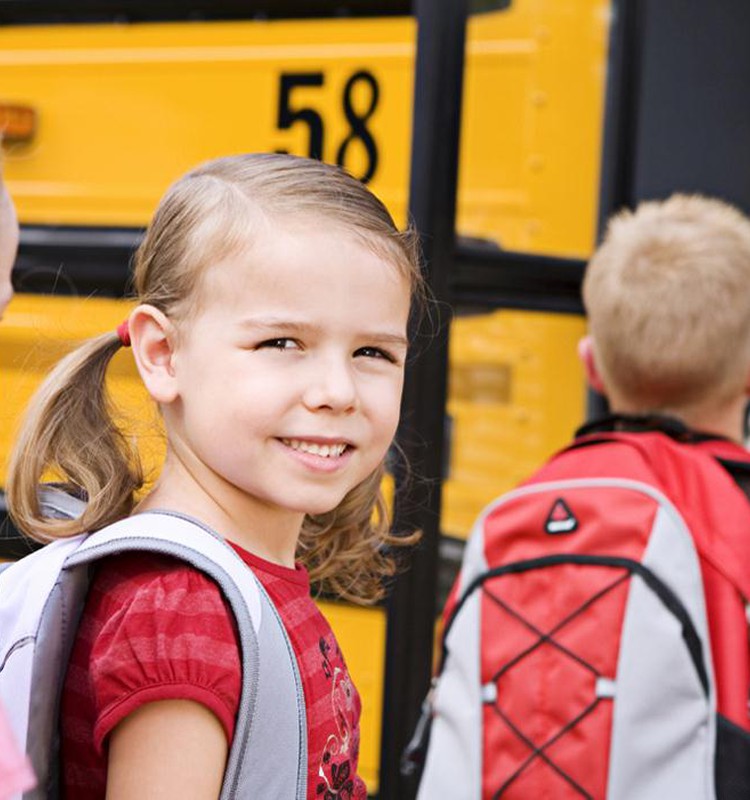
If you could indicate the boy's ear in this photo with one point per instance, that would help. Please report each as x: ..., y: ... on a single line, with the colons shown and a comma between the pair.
x: 586, y: 354
x: 152, y: 340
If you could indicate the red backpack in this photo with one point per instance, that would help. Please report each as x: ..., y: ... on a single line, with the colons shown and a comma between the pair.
x: 596, y: 640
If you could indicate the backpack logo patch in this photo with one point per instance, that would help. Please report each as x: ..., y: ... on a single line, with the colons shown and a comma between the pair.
x: 561, y: 519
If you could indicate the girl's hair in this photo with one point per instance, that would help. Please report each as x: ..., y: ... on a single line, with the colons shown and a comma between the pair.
x: 69, y: 433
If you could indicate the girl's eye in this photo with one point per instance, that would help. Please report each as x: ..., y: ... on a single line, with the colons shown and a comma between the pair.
x: 375, y: 352
x: 279, y: 344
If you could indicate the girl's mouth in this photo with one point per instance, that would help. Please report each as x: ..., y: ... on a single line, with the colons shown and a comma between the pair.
x: 330, y: 450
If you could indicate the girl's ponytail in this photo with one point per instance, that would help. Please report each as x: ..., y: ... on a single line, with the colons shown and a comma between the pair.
x: 69, y: 435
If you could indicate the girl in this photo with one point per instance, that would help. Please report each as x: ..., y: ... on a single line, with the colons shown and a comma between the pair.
x: 274, y: 294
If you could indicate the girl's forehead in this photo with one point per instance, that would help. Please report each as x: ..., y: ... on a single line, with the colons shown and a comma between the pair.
x: 318, y: 280
x: 289, y: 260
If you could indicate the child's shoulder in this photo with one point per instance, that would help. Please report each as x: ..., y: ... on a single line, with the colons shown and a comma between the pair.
x: 158, y: 611
x: 153, y: 628
x: 131, y: 571
x: 134, y: 585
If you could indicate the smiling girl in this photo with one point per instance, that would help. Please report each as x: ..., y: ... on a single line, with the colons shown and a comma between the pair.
x: 274, y: 294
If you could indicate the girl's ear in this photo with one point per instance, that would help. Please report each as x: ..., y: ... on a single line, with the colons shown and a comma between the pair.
x: 586, y: 354
x: 152, y: 338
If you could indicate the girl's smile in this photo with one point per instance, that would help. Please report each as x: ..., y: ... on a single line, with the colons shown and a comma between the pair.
x: 325, y: 455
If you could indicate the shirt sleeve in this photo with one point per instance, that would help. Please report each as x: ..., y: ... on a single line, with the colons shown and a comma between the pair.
x: 162, y: 631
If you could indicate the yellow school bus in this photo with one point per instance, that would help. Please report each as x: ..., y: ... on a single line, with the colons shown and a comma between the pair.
x: 104, y: 104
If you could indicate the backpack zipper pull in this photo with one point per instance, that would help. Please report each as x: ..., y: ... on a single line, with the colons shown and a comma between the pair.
x: 412, y: 758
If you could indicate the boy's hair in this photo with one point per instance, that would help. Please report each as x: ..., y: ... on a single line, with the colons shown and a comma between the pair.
x: 668, y: 301
x: 207, y: 215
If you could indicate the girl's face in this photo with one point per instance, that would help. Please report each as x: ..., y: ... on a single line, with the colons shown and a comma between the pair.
x: 289, y: 377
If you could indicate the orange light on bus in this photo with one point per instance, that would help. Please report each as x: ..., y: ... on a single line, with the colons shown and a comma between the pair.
x: 17, y: 122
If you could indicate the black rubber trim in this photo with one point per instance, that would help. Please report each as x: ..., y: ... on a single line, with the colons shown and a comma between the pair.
x: 30, y: 12
x: 35, y: 12
x: 739, y: 472
x: 647, y: 423
x: 732, y: 760
x: 668, y: 598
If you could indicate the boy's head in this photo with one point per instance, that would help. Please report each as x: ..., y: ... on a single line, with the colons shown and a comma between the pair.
x: 668, y: 301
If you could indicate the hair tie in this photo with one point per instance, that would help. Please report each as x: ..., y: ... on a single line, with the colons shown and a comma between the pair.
x: 123, y: 332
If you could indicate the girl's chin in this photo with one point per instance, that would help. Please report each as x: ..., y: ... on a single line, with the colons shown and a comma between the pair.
x: 320, y: 510
x: 319, y: 506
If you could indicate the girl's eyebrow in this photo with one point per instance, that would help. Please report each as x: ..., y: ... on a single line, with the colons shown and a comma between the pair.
x: 388, y: 338
x: 302, y: 328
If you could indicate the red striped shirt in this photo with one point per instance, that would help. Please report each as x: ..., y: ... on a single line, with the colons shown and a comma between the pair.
x: 154, y: 628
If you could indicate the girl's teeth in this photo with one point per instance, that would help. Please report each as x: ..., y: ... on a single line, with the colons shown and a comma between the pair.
x: 323, y: 450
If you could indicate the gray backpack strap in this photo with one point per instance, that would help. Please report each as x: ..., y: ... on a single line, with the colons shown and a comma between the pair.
x: 57, y: 504
x: 268, y: 757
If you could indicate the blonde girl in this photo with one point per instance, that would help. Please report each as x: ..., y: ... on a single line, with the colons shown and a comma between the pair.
x: 273, y: 294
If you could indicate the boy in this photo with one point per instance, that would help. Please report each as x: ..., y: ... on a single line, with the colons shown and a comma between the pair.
x: 596, y: 643
x: 667, y: 296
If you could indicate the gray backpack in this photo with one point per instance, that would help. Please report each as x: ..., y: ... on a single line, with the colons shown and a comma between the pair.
x: 42, y: 597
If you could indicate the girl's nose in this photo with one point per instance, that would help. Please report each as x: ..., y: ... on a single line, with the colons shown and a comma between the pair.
x: 331, y: 386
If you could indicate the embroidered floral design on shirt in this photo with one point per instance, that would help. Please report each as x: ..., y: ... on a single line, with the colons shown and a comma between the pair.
x: 324, y: 649
x: 341, y: 786
x: 335, y: 770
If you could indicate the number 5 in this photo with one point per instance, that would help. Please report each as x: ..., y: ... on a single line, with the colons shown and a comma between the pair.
x: 288, y: 116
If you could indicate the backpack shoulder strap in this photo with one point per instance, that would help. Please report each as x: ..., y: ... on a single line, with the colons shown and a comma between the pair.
x: 178, y: 536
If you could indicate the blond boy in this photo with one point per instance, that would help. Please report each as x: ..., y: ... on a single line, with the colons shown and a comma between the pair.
x: 533, y: 612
